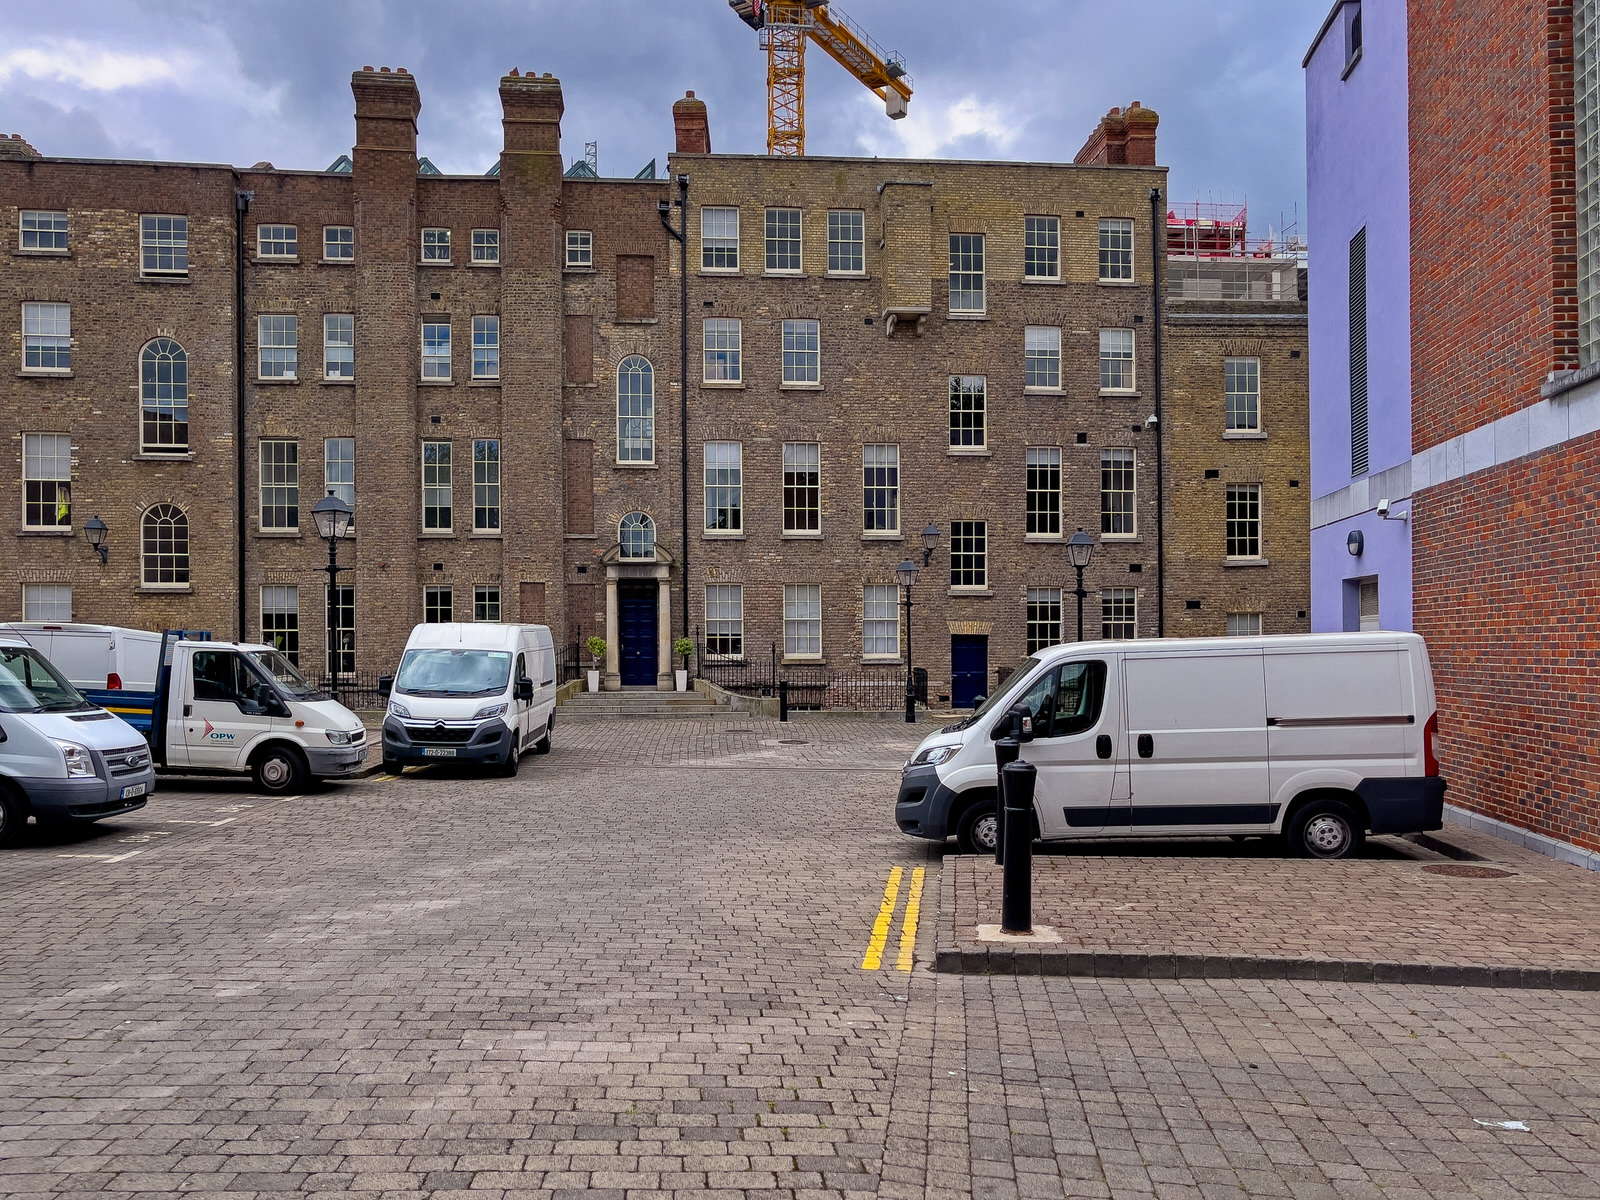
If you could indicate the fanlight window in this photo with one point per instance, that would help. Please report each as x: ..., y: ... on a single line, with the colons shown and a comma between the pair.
x: 638, y: 537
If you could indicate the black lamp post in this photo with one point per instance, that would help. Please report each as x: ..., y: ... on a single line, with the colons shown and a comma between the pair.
x: 1080, y: 549
x: 95, y: 530
x: 332, y: 516
x: 906, y: 573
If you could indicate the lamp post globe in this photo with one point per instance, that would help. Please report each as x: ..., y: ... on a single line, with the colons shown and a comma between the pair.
x: 930, y: 542
x: 332, y: 516
x: 906, y: 573
x: 95, y: 530
x: 1080, y: 549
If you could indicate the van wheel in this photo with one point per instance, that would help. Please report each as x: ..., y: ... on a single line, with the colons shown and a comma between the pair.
x: 279, y: 770
x: 1325, y: 829
x: 13, y: 816
x: 394, y: 766
x: 542, y: 746
x: 979, y: 828
x: 509, y: 767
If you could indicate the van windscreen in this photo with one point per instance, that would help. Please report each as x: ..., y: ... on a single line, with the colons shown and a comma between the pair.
x: 29, y: 684
x: 453, y: 672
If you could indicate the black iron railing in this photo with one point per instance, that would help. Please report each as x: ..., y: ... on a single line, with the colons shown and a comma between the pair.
x: 357, y: 689
x: 814, y: 686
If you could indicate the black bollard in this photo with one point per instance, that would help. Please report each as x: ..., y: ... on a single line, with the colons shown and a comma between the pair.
x: 1016, y: 885
x: 783, y: 700
x: 1008, y: 733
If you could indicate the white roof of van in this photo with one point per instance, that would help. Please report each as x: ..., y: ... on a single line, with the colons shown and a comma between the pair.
x: 1276, y: 641
x: 478, y: 635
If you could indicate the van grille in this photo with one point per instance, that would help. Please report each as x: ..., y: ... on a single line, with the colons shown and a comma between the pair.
x: 128, y: 761
x: 441, y: 735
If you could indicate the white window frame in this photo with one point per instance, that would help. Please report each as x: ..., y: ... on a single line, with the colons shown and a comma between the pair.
x: 726, y: 627
x: 719, y: 243
x: 169, y: 242
x: 486, y: 247
x: 802, y: 353
x: 486, y: 346
x: 1041, y: 246
x: 777, y: 224
x: 436, y: 351
x: 281, y: 600
x: 1242, y: 493
x: 722, y: 350
x: 47, y: 602
x: 1241, y: 395
x: 332, y: 242
x: 965, y: 248
x: 1119, y: 465
x: 56, y: 231
x: 438, y: 603
x: 1042, y: 479
x: 47, y: 460
x: 1118, y: 362
x: 335, y: 466
x: 486, y: 602
x: 1113, y: 613
x: 580, y: 250
x: 1038, y: 629
x: 802, y: 489
x: 645, y: 400
x: 876, y: 628
x: 339, y: 334
x: 852, y: 247
x: 341, y: 637
x: 969, y: 540
x: 178, y: 563
x: 435, y: 247
x: 153, y: 405
x: 880, y: 457
x: 1116, y: 263
x: 802, y: 620
x: 277, y: 346
x: 486, y: 492
x: 722, y: 475
x: 1244, y: 624
x: 438, y: 481
x: 1041, y: 358
x: 969, y: 395
x: 278, y: 483
x: 637, y: 531
x: 47, y: 332
x: 278, y: 242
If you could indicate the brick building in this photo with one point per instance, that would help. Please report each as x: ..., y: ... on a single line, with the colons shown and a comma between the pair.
x: 489, y: 368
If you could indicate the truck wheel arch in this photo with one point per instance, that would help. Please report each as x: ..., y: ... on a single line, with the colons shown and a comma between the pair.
x: 1314, y: 794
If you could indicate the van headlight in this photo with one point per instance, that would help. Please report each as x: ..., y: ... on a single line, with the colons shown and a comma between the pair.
x: 79, y: 763
x: 933, y: 756
x: 338, y: 737
x: 399, y: 710
x: 489, y: 710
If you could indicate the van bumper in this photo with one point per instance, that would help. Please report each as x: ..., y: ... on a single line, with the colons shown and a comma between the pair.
x: 490, y: 743
x: 336, y: 760
x: 922, y: 809
x: 1412, y: 805
x: 86, y: 799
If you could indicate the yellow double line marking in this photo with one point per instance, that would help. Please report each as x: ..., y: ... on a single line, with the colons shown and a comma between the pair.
x: 873, y: 959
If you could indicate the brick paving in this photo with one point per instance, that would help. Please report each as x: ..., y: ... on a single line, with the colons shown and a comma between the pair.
x: 645, y: 981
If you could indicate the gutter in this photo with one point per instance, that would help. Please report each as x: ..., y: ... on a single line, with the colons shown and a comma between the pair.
x: 1158, y: 261
x: 241, y: 206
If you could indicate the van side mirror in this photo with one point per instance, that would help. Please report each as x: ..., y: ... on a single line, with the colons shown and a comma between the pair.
x: 525, y: 690
x: 385, y: 685
x: 1022, y: 723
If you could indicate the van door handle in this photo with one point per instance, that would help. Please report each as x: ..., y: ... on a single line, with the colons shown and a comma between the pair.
x: 188, y: 710
x: 1147, y: 745
x: 1102, y: 746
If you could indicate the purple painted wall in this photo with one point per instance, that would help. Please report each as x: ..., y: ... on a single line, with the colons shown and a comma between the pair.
x: 1357, y: 176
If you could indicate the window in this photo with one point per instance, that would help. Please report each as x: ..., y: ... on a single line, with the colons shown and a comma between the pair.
x: 802, y: 487
x: 1244, y: 624
x: 338, y: 243
x: 163, y: 398
x: 486, y: 347
x: 1368, y: 616
x: 43, y: 230
x: 1116, y: 360
x: 725, y: 620
x: 342, y: 634
x: 722, y: 337
x: 847, y: 243
x: 1119, y: 615
x: 636, y: 410
x: 783, y: 240
x: 1352, y: 44
x: 46, y: 602
x: 47, y: 480
x: 280, y: 485
x: 1241, y: 385
x: 438, y: 604
x: 277, y: 241
x: 277, y: 347
x: 966, y: 272
x: 1244, y: 520
x: 280, y: 620
x: 1044, y: 492
x: 164, y: 245
x: 637, y: 537
x: 969, y: 554
x: 486, y: 603
x: 1116, y: 249
x: 880, y: 621
x: 339, y: 469
x: 1041, y: 247
x: 1044, y: 618
x: 1117, y: 516
x: 1041, y: 349
x: 1358, y: 354
x: 724, y: 484
x: 880, y: 489
x: 436, y: 495
x: 486, y: 485
x: 580, y: 248
x: 802, y: 354
x: 719, y: 239
x: 338, y: 346
x: 435, y: 245
x: 1586, y: 77
x: 164, y: 544
x: 485, y: 246
x: 436, y: 350
x: 802, y: 620
x: 967, y: 408
x: 47, y: 337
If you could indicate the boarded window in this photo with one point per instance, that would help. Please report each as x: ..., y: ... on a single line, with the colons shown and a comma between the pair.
x: 580, y: 348
x: 636, y: 286
x: 532, y: 603
x: 580, y: 485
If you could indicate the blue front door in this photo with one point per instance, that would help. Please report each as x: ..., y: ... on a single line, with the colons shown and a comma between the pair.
x: 636, y: 622
x: 969, y: 668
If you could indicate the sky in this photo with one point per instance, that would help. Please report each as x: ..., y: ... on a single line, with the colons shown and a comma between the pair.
x: 233, y: 82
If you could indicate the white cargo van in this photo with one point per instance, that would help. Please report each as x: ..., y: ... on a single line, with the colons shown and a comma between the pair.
x: 479, y: 692
x: 1321, y: 737
x: 95, y: 658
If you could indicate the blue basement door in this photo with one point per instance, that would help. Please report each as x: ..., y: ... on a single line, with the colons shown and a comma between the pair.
x: 636, y: 622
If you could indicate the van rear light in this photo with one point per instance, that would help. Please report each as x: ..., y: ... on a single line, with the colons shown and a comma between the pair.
x: 1430, y: 743
x: 113, y: 682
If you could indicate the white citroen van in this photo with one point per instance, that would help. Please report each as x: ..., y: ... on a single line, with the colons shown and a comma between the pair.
x: 1322, y: 738
x: 472, y: 691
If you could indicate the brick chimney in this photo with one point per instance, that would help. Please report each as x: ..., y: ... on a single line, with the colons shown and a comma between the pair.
x: 692, y: 126
x: 387, y: 104
x: 12, y: 146
x: 532, y: 108
x: 1123, y: 138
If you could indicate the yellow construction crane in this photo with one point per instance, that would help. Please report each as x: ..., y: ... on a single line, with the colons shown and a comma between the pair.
x: 785, y: 26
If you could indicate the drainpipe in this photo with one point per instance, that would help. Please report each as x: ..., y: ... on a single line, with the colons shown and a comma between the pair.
x: 1157, y: 261
x: 682, y: 238
x: 241, y: 206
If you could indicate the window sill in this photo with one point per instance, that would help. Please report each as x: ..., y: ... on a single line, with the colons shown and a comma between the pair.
x: 968, y: 591
x: 21, y: 253
x: 581, y: 537
x: 968, y: 316
x: 712, y: 535
x: 801, y: 659
x: 486, y: 535
x: 580, y: 383
x: 877, y: 660
x: 485, y: 383
x: 1118, y: 283
x: 1044, y: 391
x: 476, y: 263
x: 569, y: 269
x: 809, y: 535
x: 873, y: 535
x: 1047, y: 539
x: 436, y: 383
x: 43, y: 373
x: 636, y: 466
x: 436, y: 534
x: 1120, y: 393
x: 783, y: 274
x: 152, y: 456
x: 1244, y: 435
x: 175, y: 278
x: 1350, y: 65
x: 164, y: 589
x: 1120, y: 539
x: 722, y: 273
x: 969, y: 452
x: 278, y: 381
x: 336, y: 383
x: 269, y: 259
x: 1043, y: 281
x: 437, y: 262
x: 336, y: 262
x: 1234, y: 563
x: 732, y: 384
x: 800, y: 387
x: 277, y: 533
x: 845, y: 275
x: 55, y: 532
x: 638, y: 321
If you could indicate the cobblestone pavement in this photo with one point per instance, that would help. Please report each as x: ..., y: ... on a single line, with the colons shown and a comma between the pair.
x: 647, y: 980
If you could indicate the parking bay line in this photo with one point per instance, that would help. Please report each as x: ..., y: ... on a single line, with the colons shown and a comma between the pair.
x: 873, y: 959
x: 908, y: 922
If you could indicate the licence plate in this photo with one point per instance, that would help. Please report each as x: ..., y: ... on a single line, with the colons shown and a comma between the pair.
x: 132, y: 790
x: 432, y: 753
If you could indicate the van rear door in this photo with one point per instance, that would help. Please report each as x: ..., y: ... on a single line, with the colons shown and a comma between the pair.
x: 1198, y: 728
x: 1336, y: 711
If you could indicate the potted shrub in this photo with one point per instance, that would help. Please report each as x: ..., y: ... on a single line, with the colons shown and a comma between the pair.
x: 683, y: 647
x: 596, y: 646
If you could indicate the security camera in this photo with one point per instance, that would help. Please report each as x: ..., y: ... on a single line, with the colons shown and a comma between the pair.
x: 1383, y: 509
x: 1150, y: 421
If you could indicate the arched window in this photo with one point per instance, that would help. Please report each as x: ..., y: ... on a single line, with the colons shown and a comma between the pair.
x: 164, y: 537
x: 164, y: 398
x: 636, y: 410
x: 638, y: 536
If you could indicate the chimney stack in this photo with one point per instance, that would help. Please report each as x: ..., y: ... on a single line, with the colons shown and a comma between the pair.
x: 1123, y: 138
x: 387, y: 104
x: 12, y: 146
x: 531, y: 107
x: 692, y: 126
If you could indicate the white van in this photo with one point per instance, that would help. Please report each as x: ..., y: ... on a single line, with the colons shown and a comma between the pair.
x: 1319, y: 737
x: 62, y: 758
x: 472, y: 691
x: 95, y: 658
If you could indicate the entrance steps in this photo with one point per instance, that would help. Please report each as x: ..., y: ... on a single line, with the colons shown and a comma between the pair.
x: 640, y: 702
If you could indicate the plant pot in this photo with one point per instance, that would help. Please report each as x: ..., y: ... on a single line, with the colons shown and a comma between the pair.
x: 682, y: 677
x: 594, y: 681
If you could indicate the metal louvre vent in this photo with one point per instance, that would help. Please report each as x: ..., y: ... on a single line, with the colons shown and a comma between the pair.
x: 1358, y: 353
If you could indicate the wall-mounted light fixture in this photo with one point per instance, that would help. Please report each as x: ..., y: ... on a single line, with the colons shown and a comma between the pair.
x: 95, y: 530
x: 1355, y: 543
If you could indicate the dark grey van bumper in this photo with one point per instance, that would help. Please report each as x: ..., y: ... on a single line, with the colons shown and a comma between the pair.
x: 490, y: 743
x: 86, y: 799
x: 1412, y: 805
x: 922, y: 808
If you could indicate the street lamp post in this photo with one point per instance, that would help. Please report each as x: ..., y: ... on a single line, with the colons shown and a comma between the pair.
x: 332, y: 516
x: 1080, y: 549
x: 906, y: 573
